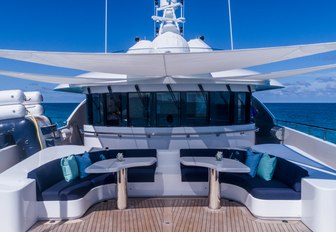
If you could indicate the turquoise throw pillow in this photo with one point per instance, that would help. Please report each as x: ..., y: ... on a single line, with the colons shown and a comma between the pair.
x: 83, y: 162
x: 252, y: 161
x: 69, y: 168
x: 102, y: 157
x: 266, y: 167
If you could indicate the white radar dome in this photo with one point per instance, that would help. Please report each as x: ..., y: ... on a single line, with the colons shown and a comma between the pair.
x: 170, y: 42
x: 198, y: 45
x: 143, y: 46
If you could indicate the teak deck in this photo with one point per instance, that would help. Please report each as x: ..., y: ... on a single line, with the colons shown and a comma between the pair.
x: 167, y: 215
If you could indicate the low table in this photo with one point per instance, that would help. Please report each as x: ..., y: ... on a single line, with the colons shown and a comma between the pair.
x: 113, y: 165
x: 225, y: 165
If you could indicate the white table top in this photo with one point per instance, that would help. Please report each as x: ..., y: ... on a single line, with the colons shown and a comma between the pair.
x: 113, y: 165
x: 225, y: 165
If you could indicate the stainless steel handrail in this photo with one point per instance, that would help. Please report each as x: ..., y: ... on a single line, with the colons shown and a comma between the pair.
x: 324, y: 129
x: 148, y: 135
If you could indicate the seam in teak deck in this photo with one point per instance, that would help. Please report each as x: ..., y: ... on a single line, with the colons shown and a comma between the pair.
x: 168, y: 215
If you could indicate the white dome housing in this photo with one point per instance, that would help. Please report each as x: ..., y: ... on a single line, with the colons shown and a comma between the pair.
x: 198, y: 45
x: 143, y: 46
x: 170, y: 42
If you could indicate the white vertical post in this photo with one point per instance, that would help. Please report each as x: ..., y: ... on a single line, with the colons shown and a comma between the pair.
x: 155, y: 13
x: 182, y: 12
x: 230, y: 20
x: 105, y: 26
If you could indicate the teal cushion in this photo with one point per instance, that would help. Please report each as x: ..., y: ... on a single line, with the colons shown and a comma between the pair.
x: 83, y: 162
x: 102, y: 157
x: 69, y: 168
x: 252, y: 161
x: 266, y: 167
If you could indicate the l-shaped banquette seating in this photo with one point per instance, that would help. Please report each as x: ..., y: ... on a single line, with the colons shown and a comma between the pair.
x: 53, y: 187
x: 282, y: 192
x: 285, y: 184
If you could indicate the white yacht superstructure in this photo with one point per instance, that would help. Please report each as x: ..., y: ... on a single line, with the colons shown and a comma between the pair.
x: 169, y: 95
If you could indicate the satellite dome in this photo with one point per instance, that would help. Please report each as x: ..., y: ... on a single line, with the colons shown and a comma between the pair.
x: 142, y: 46
x: 170, y: 42
x: 198, y: 45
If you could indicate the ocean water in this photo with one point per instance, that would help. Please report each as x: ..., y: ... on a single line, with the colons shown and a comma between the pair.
x: 317, y: 114
x: 59, y: 112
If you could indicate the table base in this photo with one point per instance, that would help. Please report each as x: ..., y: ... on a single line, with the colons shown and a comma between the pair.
x: 122, y: 189
x: 214, y: 189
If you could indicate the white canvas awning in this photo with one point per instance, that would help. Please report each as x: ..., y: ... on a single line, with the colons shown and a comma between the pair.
x: 94, y: 79
x: 280, y: 74
x: 168, y: 64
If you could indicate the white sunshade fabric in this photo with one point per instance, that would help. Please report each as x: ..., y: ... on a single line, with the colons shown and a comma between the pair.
x: 281, y: 74
x: 168, y: 64
x: 94, y: 78
x: 53, y: 78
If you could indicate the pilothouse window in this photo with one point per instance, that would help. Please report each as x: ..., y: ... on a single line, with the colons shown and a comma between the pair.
x: 116, y: 109
x: 140, y: 109
x: 98, y: 109
x: 169, y: 109
x: 220, y: 108
x: 195, y: 109
x: 240, y: 108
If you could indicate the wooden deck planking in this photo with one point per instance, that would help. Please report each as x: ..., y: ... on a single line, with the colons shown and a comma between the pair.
x: 169, y: 215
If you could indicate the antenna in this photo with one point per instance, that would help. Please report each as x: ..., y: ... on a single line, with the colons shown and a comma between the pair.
x: 105, y: 26
x: 167, y: 17
x: 156, y: 29
x: 230, y: 20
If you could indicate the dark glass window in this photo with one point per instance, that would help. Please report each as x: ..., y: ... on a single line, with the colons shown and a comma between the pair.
x: 167, y: 109
x: 140, y: 110
x: 240, y: 108
x: 195, y: 110
x: 98, y: 109
x: 219, y: 108
x: 116, y: 109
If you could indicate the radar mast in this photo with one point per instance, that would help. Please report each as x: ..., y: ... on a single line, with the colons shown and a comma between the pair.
x: 165, y: 16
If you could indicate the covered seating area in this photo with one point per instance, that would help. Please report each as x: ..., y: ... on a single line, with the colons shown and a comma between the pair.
x: 50, y: 196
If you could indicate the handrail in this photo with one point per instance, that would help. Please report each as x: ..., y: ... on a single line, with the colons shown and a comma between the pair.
x: 148, y: 135
x: 308, y: 125
x: 324, y: 129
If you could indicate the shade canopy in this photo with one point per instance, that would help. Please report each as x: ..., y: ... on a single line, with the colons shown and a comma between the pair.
x: 168, y: 64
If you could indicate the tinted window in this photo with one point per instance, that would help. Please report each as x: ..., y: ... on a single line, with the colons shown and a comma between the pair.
x: 140, y: 109
x: 195, y: 110
x: 116, y: 109
x: 167, y: 109
x: 220, y: 108
x: 240, y: 108
x: 98, y: 109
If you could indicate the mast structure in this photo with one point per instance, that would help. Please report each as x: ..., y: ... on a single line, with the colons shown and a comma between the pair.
x: 168, y: 21
x: 105, y: 32
x: 230, y: 22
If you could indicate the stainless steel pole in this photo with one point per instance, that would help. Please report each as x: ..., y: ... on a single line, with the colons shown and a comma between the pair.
x: 122, y: 189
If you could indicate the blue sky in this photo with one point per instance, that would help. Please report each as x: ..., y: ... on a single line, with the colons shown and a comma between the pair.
x: 78, y: 25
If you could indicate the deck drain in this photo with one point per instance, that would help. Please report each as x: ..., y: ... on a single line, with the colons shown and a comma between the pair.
x: 284, y: 221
